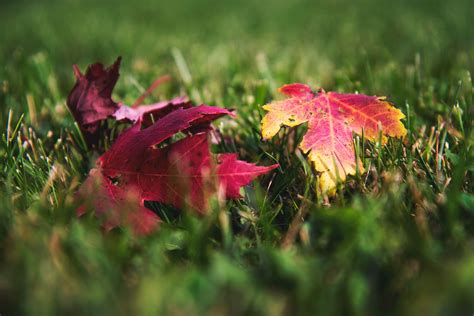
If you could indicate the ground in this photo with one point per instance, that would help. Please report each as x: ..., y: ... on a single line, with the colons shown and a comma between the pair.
x: 396, y: 240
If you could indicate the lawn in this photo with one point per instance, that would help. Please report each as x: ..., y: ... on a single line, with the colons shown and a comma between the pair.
x: 396, y: 240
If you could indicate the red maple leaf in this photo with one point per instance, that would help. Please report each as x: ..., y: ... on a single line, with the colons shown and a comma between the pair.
x: 179, y: 174
x: 332, y: 118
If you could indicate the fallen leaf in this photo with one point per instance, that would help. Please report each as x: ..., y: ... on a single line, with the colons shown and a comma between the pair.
x: 90, y: 100
x: 332, y: 118
x: 178, y: 170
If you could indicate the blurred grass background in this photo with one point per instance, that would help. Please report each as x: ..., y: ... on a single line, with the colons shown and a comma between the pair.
x: 399, y: 241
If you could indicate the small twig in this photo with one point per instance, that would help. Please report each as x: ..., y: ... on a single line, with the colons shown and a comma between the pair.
x: 148, y: 91
x: 295, y: 226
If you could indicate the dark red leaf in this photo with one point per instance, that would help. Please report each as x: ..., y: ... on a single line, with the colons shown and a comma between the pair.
x: 90, y: 100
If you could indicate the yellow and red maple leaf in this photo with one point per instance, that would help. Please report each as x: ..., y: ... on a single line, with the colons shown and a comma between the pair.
x: 332, y: 119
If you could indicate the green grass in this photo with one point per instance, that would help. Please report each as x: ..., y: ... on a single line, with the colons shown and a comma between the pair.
x: 396, y: 240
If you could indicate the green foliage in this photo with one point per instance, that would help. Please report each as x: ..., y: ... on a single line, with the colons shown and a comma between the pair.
x: 397, y: 240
